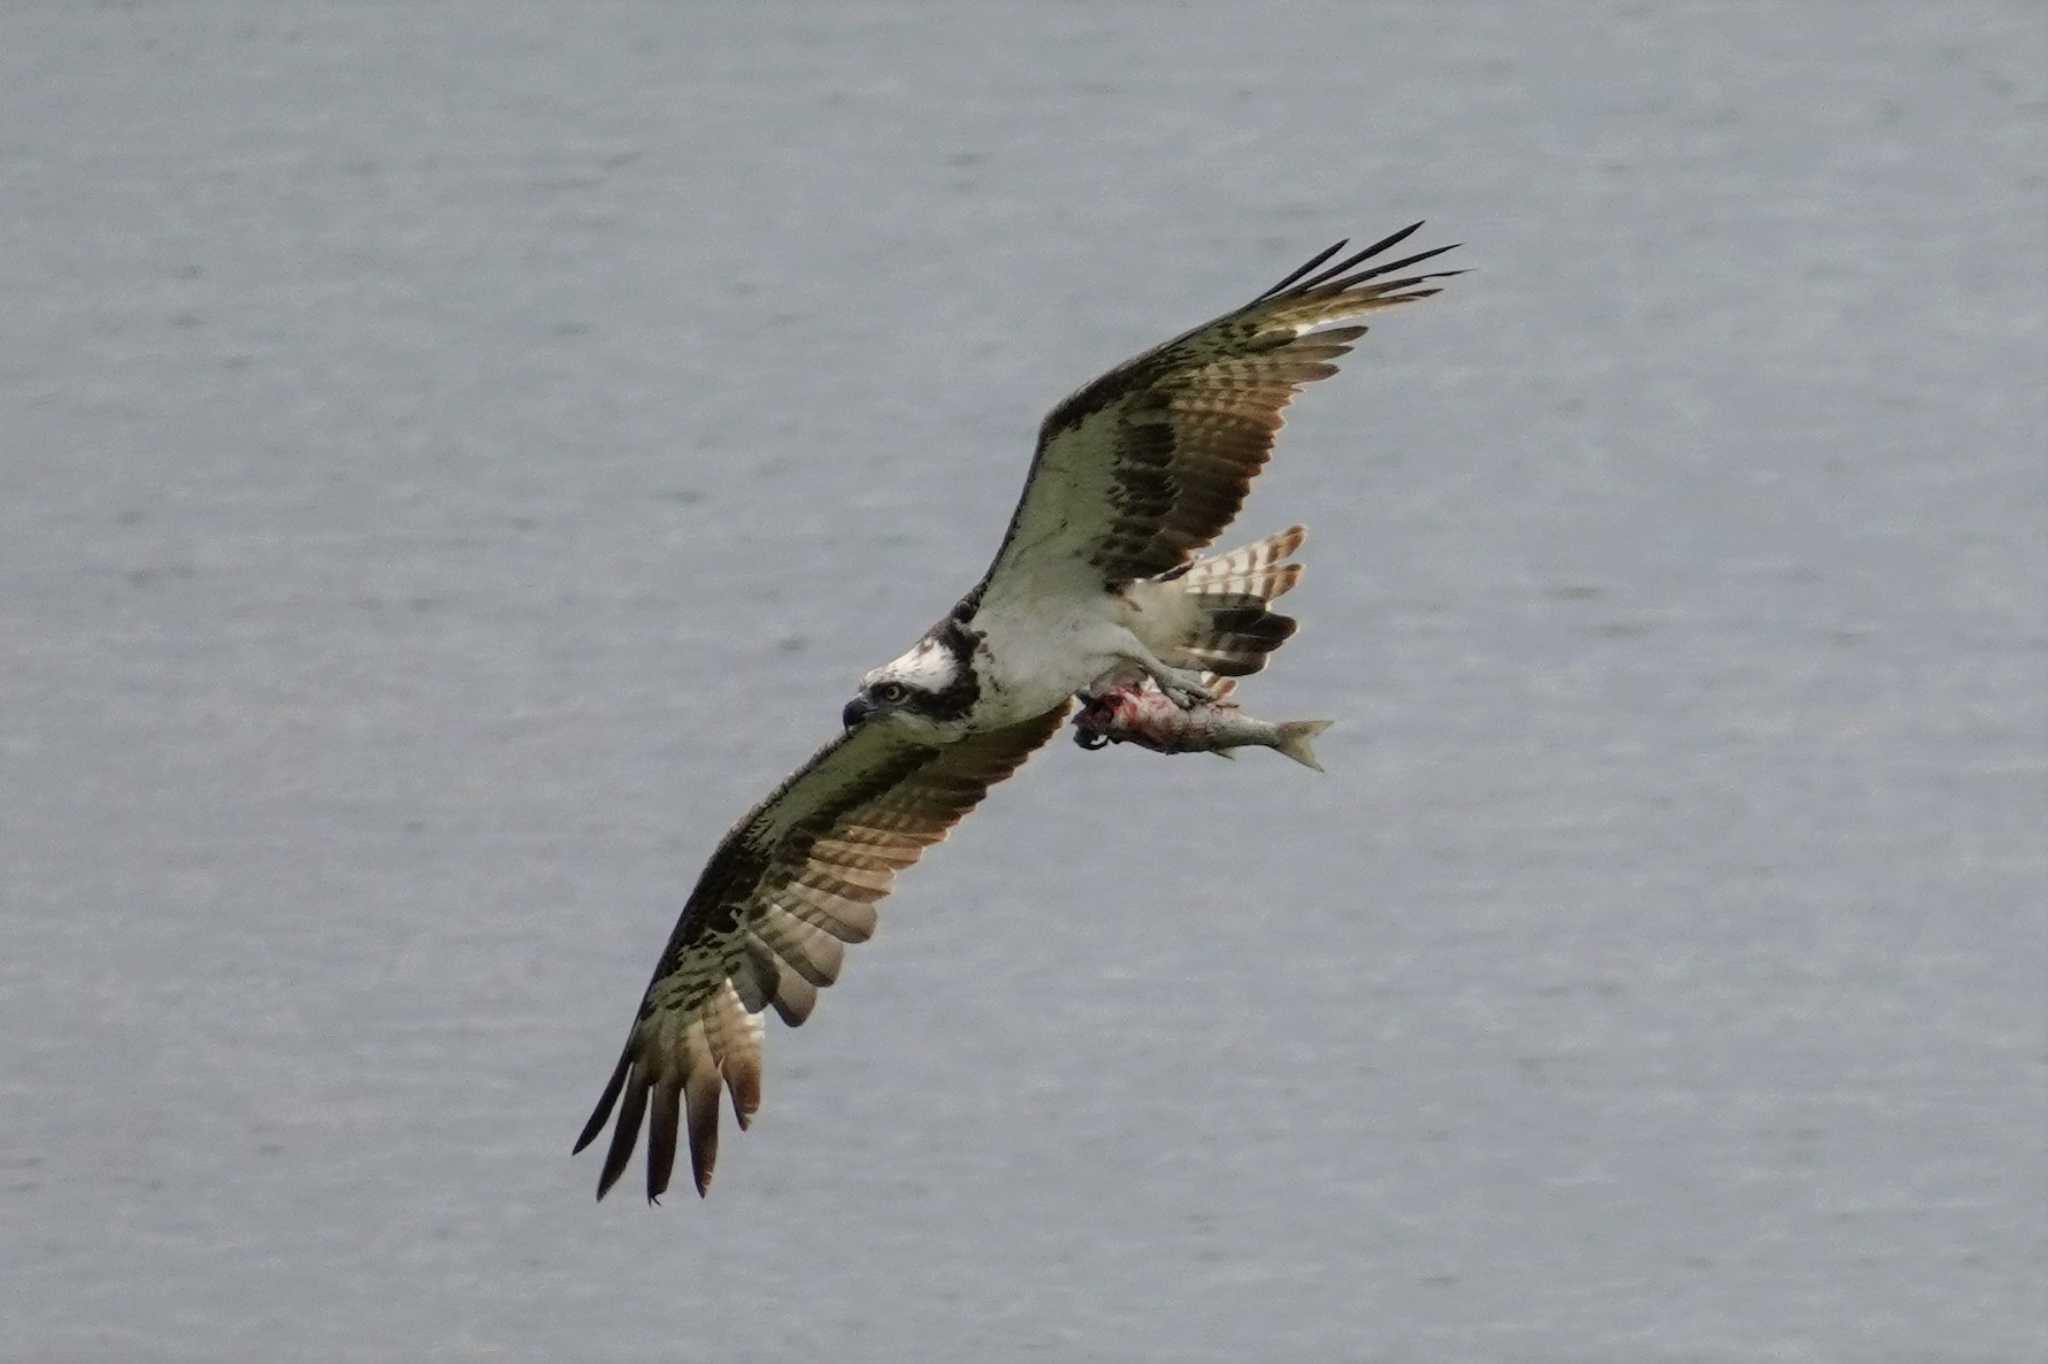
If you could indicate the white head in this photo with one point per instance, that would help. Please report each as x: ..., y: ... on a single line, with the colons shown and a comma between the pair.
x: 929, y: 685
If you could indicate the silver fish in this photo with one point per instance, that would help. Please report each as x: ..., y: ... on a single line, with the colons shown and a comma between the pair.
x: 1144, y: 715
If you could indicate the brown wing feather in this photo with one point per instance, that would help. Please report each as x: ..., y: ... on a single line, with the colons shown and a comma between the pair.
x: 795, y: 879
x: 1149, y: 463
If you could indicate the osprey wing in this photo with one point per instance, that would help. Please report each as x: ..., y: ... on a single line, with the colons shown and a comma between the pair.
x: 796, y: 879
x: 1149, y: 463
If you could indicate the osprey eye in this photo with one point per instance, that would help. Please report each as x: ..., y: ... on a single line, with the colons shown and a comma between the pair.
x: 891, y: 692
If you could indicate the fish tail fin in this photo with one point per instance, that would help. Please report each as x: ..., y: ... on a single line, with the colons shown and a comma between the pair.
x: 1293, y: 740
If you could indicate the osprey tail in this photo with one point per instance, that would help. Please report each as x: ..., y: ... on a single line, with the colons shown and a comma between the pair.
x: 1212, y: 614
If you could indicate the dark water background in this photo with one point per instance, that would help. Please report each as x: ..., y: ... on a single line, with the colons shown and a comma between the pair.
x: 458, y: 457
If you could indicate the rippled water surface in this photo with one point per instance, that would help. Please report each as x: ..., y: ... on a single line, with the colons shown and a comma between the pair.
x: 458, y: 457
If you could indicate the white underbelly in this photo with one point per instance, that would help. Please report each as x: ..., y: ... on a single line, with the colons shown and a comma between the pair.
x: 1028, y: 668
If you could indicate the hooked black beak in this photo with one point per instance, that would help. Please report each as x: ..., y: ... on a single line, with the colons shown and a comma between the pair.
x: 857, y: 710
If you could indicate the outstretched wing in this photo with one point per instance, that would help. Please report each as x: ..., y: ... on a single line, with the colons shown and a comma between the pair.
x: 1148, y: 464
x: 796, y: 879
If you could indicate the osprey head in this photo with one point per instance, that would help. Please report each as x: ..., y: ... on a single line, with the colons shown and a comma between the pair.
x: 929, y: 686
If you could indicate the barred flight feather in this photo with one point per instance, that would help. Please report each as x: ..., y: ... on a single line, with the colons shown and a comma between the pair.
x: 798, y: 877
x: 847, y: 920
x: 1144, y: 467
x: 1250, y: 558
x: 815, y: 954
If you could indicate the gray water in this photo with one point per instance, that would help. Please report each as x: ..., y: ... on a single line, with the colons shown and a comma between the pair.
x: 456, y: 458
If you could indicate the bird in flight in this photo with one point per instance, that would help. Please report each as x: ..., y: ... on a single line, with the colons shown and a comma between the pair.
x: 1098, y: 583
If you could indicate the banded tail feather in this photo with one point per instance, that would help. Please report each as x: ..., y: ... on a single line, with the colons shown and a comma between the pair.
x: 1213, y: 614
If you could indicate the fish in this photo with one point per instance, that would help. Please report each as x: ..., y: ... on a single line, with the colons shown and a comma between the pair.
x: 1141, y: 714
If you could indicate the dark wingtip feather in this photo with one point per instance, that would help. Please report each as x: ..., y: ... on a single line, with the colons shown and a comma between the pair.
x: 1355, y: 257
x: 604, y: 1103
x: 626, y: 1135
x: 661, y: 1140
x: 1316, y: 274
x: 1394, y: 290
x: 1306, y: 266
x: 1391, y: 239
x: 1329, y: 283
x: 1394, y: 238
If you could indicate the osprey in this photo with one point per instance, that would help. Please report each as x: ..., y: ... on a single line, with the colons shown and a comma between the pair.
x: 1097, y: 584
